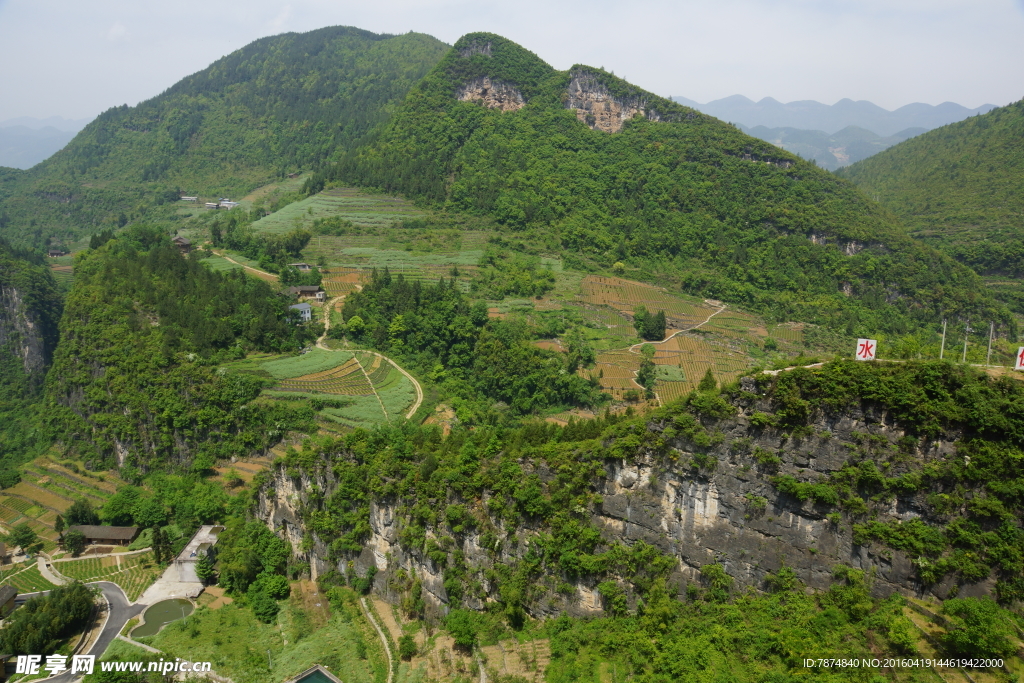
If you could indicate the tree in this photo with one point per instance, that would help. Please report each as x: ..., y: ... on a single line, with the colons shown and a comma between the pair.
x: 161, y: 546
x: 648, y: 372
x: 649, y: 326
x: 23, y: 536
x: 580, y: 352
x: 263, y: 606
x: 205, y: 569
x: 406, y: 647
x: 462, y: 624
x: 74, y: 542
x: 980, y: 628
x: 149, y: 512
x: 708, y: 382
x: 81, y: 512
x: 58, y: 525
x: 355, y: 326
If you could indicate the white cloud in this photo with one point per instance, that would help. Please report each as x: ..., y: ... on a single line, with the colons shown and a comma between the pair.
x: 278, y: 23
x: 117, y: 32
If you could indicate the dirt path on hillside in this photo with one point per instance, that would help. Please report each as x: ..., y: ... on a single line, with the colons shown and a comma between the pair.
x: 320, y: 343
x: 383, y: 640
x: 261, y: 274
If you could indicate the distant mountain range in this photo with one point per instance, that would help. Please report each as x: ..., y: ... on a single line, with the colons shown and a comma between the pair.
x: 811, y: 115
x: 25, y: 141
x: 848, y: 146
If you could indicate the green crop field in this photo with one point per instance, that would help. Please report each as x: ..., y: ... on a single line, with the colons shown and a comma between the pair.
x: 133, y: 573
x: 316, y: 360
x: 361, y: 208
x: 29, y: 580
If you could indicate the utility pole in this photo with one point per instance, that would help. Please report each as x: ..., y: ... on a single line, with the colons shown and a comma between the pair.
x: 991, y: 331
x: 967, y: 331
x: 942, y: 349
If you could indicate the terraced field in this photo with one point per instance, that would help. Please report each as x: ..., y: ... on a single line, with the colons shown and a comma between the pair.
x: 346, y: 379
x: 29, y: 580
x: 133, y: 573
x: 625, y: 295
x: 47, y: 489
x: 354, y: 388
x: 363, y: 209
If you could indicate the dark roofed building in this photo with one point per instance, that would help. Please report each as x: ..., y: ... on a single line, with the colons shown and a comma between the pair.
x: 183, y: 243
x: 307, y: 292
x: 107, y: 535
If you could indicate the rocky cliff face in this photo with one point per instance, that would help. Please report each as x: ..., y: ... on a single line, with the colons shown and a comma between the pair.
x: 599, y: 109
x: 492, y: 94
x: 700, y: 505
x: 20, y: 331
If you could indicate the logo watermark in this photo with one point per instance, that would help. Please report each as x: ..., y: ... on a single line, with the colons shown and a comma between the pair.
x: 33, y: 665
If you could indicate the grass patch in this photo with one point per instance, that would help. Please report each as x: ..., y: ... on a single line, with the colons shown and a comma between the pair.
x: 237, y: 643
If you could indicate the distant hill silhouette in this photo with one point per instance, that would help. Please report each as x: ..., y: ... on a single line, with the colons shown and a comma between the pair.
x: 848, y: 146
x: 811, y: 115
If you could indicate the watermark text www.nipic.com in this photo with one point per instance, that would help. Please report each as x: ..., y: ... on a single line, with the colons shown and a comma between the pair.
x: 85, y: 664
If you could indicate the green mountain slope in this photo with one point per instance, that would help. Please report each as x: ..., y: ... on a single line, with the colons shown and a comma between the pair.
x: 133, y: 380
x: 279, y: 104
x: 585, y: 163
x: 30, y: 309
x: 960, y: 186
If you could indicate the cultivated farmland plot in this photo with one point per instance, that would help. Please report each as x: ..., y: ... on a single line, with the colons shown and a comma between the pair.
x: 133, y: 573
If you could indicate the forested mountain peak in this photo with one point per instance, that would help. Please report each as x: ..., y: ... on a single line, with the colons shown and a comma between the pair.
x: 585, y: 164
x: 278, y: 105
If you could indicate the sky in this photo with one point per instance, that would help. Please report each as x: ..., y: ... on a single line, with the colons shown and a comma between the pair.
x: 77, y: 58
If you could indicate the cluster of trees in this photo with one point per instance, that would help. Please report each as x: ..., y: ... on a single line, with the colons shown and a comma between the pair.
x: 251, y: 561
x: 503, y: 274
x: 40, y: 626
x: 155, y: 323
x: 649, y: 326
x: 273, y: 252
x: 476, y: 360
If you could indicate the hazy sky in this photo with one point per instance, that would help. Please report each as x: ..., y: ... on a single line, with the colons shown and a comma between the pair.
x: 76, y: 58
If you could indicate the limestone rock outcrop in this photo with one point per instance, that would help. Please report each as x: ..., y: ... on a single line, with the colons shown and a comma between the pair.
x: 492, y: 94
x: 599, y: 109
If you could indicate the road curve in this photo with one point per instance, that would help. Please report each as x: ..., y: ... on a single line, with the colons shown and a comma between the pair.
x: 119, y: 611
x: 416, y: 385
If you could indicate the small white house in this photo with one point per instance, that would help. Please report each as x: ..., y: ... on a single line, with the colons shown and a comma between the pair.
x: 305, y: 311
x: 189, y: 199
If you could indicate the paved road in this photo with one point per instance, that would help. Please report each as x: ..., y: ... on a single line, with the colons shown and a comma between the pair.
x: 119, y: 611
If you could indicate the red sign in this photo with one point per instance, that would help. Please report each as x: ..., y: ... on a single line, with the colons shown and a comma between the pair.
x: 1019, y: 364
x: 866, y: 349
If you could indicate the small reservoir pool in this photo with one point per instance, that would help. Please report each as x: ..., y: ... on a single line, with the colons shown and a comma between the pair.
x: 163, y: 612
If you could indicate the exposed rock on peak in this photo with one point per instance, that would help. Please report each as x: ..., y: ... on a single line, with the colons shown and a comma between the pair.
x: 492, y: 94
x: 476, y: 48
x: 597, y: 107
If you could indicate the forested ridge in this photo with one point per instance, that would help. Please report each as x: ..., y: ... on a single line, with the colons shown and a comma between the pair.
x: 133, y: 382
x: 278, y: 105
x: 960, y: 187
x: 685, y: 196
x: 525, y: 498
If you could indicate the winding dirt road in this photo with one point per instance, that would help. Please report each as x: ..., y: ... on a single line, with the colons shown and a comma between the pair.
x: 320, y: 343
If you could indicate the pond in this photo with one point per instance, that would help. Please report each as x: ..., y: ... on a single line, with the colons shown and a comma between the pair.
x: 162, y: 613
